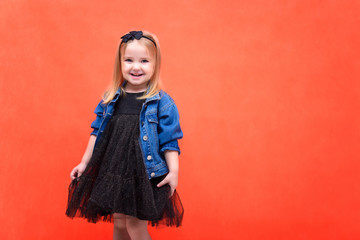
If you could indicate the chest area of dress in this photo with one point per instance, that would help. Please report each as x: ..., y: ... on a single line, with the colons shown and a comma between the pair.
x: 128, y: 104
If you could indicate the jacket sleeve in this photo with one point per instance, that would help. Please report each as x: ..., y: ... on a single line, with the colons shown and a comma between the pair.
x: 169, y: 127
x: 99, y: 111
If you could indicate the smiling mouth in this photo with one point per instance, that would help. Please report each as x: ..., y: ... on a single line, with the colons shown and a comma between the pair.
x: 136, y: 75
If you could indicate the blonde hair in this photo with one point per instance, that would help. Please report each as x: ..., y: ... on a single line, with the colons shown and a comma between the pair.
x: 118, y: 79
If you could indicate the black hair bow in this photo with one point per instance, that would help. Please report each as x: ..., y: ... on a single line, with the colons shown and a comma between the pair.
x: 132, y: 35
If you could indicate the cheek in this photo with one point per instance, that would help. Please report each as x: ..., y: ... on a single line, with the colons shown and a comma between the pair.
x: 124, y: 68
x: 151, y: 71
x: 152, y: 68
x: 147, y: 68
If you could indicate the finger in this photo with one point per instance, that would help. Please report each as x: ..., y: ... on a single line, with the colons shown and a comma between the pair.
x: 162, y: 183
x: 72, y: 174
x: 171, y: 192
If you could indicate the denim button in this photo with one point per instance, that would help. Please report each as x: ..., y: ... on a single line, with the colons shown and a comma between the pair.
x: 149, y: 157
x: 145, y: 138
x: 152, y: 174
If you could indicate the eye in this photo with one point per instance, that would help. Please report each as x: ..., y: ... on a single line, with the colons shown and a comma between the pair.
x: 127, y: 60
x: 144, y: 61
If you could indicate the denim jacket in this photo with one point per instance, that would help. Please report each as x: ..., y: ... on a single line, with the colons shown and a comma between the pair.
x: 159, y: 129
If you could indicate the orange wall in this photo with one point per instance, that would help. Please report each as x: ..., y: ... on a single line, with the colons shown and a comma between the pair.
x: 268, y: 93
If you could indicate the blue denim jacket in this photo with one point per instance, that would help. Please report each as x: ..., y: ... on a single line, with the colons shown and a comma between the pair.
x: 159, y: 129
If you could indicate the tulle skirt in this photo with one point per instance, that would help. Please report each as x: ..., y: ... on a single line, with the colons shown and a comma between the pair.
x: 115, y: 181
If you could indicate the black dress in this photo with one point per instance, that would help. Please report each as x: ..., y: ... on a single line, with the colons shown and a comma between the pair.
x: 115, y: 179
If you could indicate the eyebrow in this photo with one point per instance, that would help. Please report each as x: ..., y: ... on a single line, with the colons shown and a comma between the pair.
x: 140, y: 58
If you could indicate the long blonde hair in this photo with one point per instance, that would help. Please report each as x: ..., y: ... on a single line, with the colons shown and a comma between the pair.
x: 118, y: 79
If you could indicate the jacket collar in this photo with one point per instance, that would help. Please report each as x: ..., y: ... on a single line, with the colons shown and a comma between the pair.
x: 155, y: 97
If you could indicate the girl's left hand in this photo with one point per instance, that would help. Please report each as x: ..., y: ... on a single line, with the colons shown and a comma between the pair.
x: 172, y: 180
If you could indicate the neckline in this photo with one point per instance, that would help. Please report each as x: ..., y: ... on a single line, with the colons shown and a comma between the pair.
x: 134, y: 92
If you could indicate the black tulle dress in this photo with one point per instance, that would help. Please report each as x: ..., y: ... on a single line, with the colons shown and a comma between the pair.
x: 115, y: 179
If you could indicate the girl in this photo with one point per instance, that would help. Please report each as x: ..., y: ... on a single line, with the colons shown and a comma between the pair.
x: 129, y: 171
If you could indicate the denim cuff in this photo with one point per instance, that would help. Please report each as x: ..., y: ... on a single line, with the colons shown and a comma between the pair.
x: 173, y: 145
x: 95, y: 132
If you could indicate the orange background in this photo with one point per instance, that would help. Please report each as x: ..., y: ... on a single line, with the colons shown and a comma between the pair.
x: 268, y: 93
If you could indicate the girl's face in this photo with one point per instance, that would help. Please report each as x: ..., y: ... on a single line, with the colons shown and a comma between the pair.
x: 137, y: 66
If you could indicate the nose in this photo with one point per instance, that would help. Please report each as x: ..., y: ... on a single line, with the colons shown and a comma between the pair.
x: 136, y: 66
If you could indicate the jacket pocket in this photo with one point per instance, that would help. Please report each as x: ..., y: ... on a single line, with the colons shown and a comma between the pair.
x: 152, y: 123
x: 152, y: 118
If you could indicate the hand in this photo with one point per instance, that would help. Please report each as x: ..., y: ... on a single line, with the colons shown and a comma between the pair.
x: 77, y: 171
x: 172, y: 180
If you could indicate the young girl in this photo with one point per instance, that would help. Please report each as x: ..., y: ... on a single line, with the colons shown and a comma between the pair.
x: 129, y: 171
